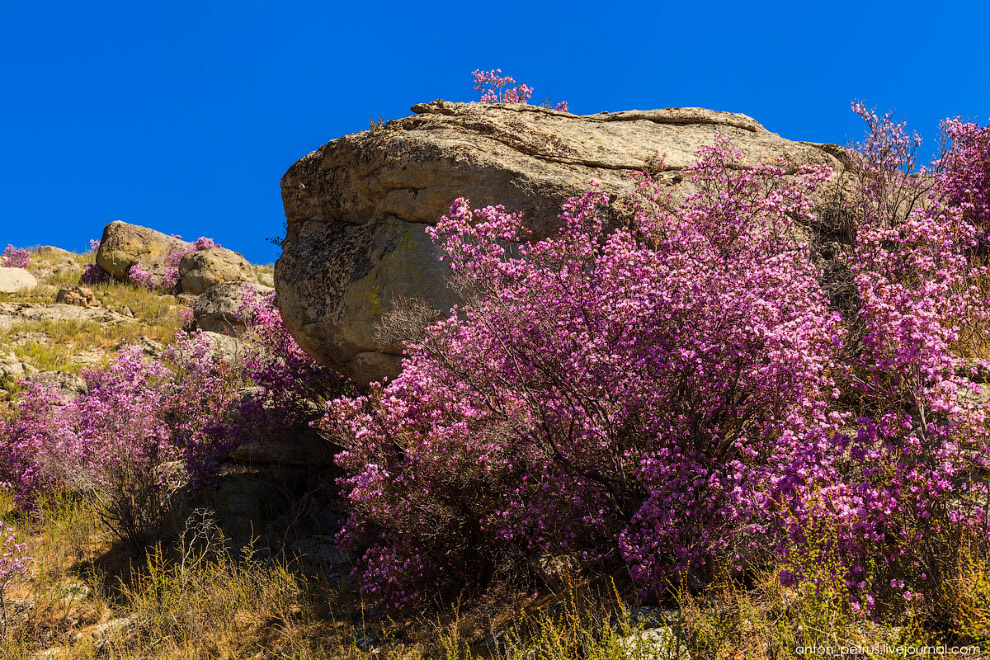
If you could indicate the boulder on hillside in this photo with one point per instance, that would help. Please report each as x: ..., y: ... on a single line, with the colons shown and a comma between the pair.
x: 202, y: 269
x: 219, y: 308
x: 358, y: 206
x: 16, y: 280
x: 124, y: 245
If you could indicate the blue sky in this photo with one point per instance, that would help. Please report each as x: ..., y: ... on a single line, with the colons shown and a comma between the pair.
x: 183, y: 116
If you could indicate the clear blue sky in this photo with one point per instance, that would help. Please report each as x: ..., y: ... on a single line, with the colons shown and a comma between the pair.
x: 183, y: 116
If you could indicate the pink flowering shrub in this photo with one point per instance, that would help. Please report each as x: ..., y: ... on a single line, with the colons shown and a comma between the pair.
x: 290, y: 386
x: 963, y: 174
x: 620, y: 398
x: 494, y: 88
x: 140, y: 276
x: 15, y: 257
x: 903, y: 484
x: 93, y: 274
x: 13, y: 561
x: 119, y: 442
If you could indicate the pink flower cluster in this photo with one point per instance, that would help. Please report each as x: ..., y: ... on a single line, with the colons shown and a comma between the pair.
x: 494, y: 88
x: 15, y: 257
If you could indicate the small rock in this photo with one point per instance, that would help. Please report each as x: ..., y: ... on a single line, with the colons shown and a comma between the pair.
x: 71, y: 294
x: 266, y: 279
x: 148, y: 346
x: 321, y: 550
x: 113, y: 629
x: 23, y: 338
x: 87, y: 358
x: 226, y: 348
x: 16, y: 280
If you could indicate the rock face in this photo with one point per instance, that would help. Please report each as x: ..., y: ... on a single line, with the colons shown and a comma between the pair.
x: 202, y: 269
x: 16, y: 280
x: 357, y: 207
x: 218, y: 310
x: 124, y: 245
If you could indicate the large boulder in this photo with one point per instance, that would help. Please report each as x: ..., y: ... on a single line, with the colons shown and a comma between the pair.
x: 124, y: 245
x: 202, y: 269
x: 358, y: 206
x: 219, y: 309
x: 16, y: 280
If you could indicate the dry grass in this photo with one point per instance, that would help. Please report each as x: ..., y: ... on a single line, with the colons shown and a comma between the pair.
x: 191, y: 597
x: 57, y: 345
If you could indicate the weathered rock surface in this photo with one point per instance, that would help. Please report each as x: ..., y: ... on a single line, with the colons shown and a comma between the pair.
x: 16, y: 280
x: 71, y: 294
x: 124, y: 245
x: 358, y: 206
x: 202, y: 269
x: 219, y: 308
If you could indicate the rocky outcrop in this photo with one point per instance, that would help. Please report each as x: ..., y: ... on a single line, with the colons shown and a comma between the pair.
x: 16, y: 280
x: 358, y: 206
x: 202, y: 269
x: 124, y: 245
